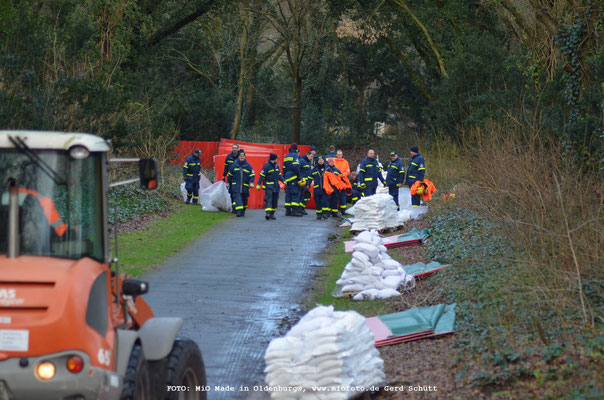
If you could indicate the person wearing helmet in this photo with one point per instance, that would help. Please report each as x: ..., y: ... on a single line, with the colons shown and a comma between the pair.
x: 240, y: 177
x: 191, y: 172
x: 415, y: 172
x: 395, y: 176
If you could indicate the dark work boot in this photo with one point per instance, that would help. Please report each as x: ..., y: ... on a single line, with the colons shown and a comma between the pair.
x: 267, y: 216
x: 325, y: 215
x: 319, y: 216
x: 288, y: 211
x: 273, y: 215
x: 188, y: 201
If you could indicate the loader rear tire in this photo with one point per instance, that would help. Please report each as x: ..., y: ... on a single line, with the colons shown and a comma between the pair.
x: 137, y: 382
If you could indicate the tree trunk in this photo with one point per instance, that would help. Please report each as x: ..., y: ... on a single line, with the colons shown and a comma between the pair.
x: 241, y: 83
x: 251, y: 81
x: 297, y: 109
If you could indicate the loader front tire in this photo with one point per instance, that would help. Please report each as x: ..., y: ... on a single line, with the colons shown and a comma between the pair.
x: 137, y: 382
x: 183, y: 367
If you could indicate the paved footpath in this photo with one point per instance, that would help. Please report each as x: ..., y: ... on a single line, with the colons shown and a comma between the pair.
x: 234, y: 285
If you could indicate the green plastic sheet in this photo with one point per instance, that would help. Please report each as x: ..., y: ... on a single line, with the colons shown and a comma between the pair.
x: 415, y: 234
x: 439, y: 318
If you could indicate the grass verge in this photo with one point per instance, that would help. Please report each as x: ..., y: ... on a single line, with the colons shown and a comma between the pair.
x: 165, y: 236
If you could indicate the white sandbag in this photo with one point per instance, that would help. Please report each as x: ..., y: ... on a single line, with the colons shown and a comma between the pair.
x: 376, y: 212
x: 366, y: 248
x: 362, y: 257
x: 392, y: 281
x: 216, y: 198
x: 365, y: 237
x: 387, y: 293
x: 331, y: 348
x: 352, y: 288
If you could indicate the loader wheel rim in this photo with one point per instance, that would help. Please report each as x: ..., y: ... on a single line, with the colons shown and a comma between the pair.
x: 189, y: 379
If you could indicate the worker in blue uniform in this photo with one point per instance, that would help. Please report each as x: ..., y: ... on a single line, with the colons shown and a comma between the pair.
x: 415, y: 172
x: 305, y: 174
x: 240, y: 177
x: 228, y: 161
x: 356, y: 192
x: 269, y: 182
x: 321, y: 198
x: 191, y: 172
x: 369, y: 173
x: 395, y: 176
x: 291, y: 173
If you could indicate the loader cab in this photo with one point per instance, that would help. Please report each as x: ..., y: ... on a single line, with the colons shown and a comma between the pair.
x: 57, y: 184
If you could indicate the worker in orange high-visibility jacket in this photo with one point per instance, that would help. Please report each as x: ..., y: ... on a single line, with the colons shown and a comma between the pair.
x: 341, y: 163
x: 321, y: 197
x: 427, y: 189
x: 336, y: 185
x: 48, y: 207
x: 191, y: 172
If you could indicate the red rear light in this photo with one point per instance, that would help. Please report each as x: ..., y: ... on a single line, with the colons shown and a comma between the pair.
x: 75, y: 364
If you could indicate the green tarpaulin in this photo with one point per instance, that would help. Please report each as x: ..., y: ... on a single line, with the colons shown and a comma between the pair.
x: 415, y: 234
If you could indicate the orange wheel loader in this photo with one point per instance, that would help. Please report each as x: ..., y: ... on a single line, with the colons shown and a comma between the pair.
x: 72, y: 327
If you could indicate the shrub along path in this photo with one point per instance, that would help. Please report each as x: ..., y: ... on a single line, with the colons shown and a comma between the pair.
x: 235, y: 286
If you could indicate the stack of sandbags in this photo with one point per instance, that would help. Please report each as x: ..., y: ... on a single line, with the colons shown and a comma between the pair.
x: 327, y: 354
x: 372, y: 273
x: 377, y: 212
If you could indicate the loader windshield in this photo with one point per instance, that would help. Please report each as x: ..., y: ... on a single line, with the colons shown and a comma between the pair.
x: 57, y: 217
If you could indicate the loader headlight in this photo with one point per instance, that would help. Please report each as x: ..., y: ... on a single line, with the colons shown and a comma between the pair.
x: 79, y: 152
x: 45, y: 370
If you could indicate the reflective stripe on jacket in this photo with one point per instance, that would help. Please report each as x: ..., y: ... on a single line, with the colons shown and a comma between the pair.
x: 228, y: 161
x: 416, y: 170
x: 291, y: 167
x: 369, y: 172
x: 317, y: 176
x: 270, y: 176
x: 396, y: 172
x: 240, y: 177
x: 192, y: 168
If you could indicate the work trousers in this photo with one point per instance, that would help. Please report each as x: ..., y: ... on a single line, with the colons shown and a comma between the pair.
x: 393, y: 190
x: 192, y: 188
x: 292, y: 196
x: 321, y: 202
x: 337, y: 197
x: 415, y: 198
x: 271, y: 198
x: 369, y: 190
x: 240, y: 202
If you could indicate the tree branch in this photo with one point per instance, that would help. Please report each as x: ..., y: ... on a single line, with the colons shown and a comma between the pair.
x: 175, y: 27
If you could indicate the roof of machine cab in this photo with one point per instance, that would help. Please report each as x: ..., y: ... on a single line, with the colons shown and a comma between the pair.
x: 44, y: 140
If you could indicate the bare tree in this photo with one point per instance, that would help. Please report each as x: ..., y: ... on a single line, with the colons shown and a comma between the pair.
x: 300, y: 26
